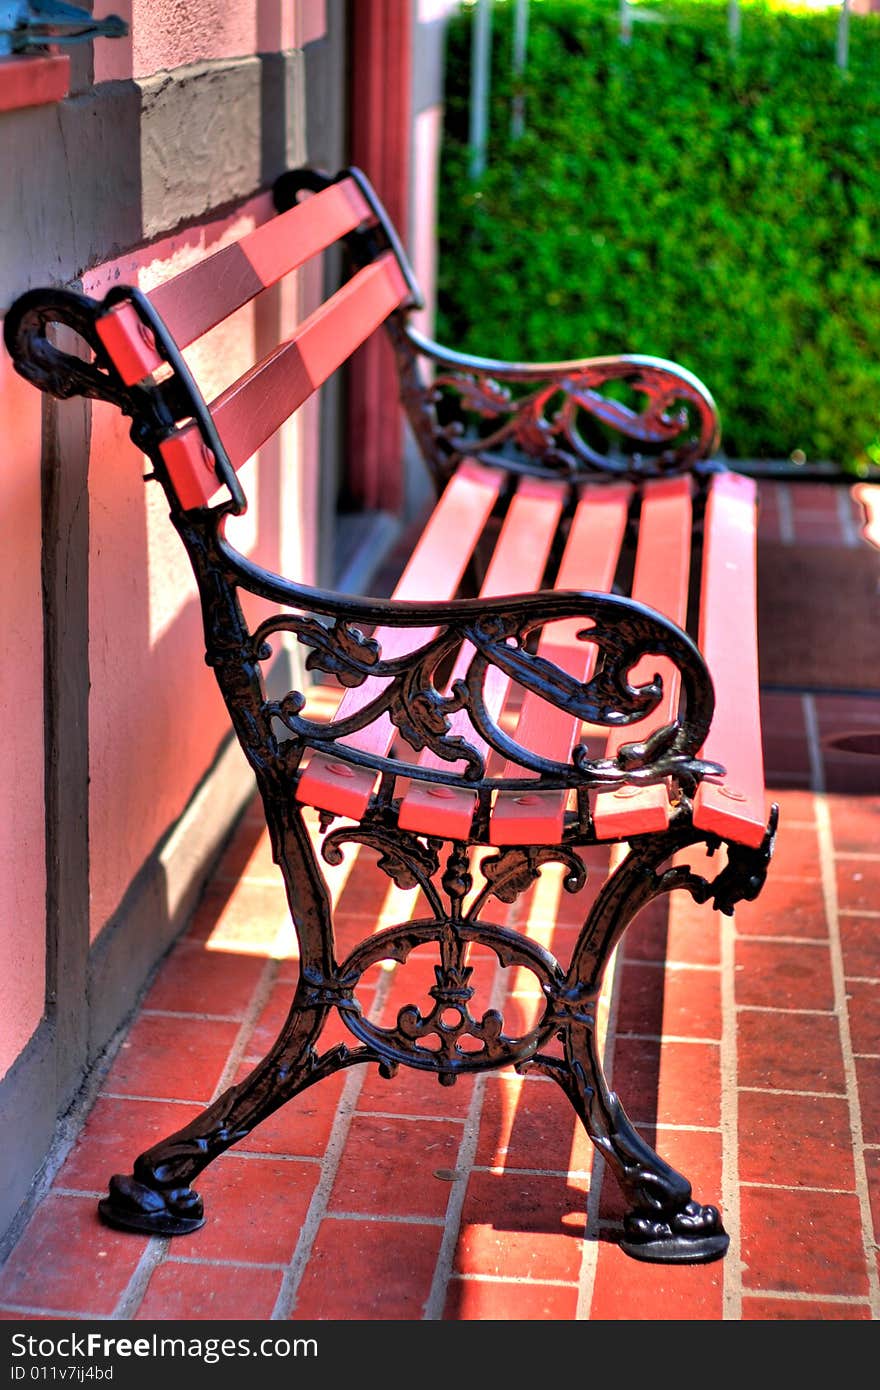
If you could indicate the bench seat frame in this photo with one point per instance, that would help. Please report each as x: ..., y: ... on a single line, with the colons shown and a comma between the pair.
x: 530, y: 425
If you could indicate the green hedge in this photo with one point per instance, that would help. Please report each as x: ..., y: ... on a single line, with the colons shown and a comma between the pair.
x: 669, y: 198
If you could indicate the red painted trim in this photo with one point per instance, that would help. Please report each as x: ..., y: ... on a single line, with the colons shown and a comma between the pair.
x: 33, y: 81
x: 381, y: 122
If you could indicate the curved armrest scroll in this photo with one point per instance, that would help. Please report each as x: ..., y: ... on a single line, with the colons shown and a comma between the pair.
x: 556, y: 417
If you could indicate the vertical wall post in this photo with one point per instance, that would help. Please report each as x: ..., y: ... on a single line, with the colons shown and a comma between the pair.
x: 841, y: 56
x: 520, y: 44
x: 481, y: 77
x: 626, y: 25
x: 380, y: 135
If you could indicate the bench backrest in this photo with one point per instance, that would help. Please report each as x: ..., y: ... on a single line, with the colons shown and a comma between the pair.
x: 138, y: 338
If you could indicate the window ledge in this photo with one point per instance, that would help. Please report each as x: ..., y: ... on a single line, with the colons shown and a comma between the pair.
x: 27, y: 80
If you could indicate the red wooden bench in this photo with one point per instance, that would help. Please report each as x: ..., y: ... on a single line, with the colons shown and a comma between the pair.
x: 479, y: 735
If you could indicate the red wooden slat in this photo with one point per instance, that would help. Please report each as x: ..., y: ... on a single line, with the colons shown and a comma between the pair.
x: 190, y: 465
x: 660, y: 580
x: 589, y: 562
x: 249, y: 411
x: 200, y: 297
x: 129, y: 343
x: 434, y: 571
x: 517, y: 565
x: 728, y: 639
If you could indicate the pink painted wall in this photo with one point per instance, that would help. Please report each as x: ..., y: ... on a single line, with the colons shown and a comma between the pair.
x: 22, y: 810
x: 171, y: 33
x: 156, y: 715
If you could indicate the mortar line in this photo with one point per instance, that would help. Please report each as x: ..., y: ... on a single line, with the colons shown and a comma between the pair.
x: 215, y: 1263
x: 848, y: 527
x: 591, y: 1244
x: 829, y: 884
x: 317, y: 1209
x: 786, y: 1091
x: 781, y: 940
x: 190, y: 1016
x: 772, y: 1009
x: 378, y: 1218
x: 731, y: 1283
x: 786, y: 514
x: 153, y: 1100
x: 671, y: 964
x: 796, y: 1187
x: 661, y: 1038
x: 157, y: 1247
x: 435, y: 1303
x: 513, y: 1279
x: 849, y: 1300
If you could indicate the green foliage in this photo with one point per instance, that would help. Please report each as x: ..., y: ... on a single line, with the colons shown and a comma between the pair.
x: 672, y: 198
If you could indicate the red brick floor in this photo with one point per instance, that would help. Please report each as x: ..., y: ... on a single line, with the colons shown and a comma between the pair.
x: 747, y: 1050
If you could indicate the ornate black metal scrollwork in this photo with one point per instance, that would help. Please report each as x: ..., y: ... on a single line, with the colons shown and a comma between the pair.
x: 445, y: 1036
x: 529, y: 418
x: 28, y: 341
x: 499, y: 631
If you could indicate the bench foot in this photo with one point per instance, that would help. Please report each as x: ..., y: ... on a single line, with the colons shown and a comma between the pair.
x: 664, y: 1245
x: 665, y: 1224
x: 133, y: 1206
x: 157, y: 1199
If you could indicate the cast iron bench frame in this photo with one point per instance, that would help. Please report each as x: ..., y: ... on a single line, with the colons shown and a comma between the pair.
x: 572, y: 465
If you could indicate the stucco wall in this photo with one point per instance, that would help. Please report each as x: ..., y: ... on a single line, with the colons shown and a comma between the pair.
x: 22, y: 849
x: 155, y: 713
x: 168, y: 152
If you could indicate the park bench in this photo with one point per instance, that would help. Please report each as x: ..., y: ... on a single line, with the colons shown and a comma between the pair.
x: 528, y: 692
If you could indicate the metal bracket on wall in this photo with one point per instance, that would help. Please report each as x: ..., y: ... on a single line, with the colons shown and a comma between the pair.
x: 29, y: 26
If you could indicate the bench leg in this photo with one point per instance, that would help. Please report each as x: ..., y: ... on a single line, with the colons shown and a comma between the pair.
x: 158, y: 1197
x: 664, y: 1223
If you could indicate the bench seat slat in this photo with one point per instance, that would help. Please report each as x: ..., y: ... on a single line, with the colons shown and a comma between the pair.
x: 194, y: 301
x: 255, y: 406
x: 517, y: 566
x: 589, y: 562
x: 734, y: 807
x: 660, y: 580
x: 434, y: 571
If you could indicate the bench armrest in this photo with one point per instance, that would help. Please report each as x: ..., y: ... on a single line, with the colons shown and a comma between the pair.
x: 625, y: 416
x: 406, y: 687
